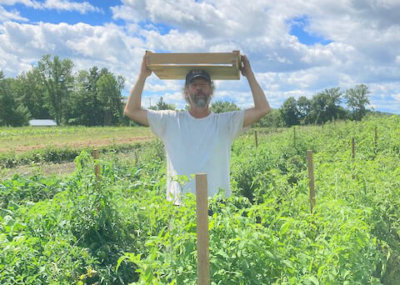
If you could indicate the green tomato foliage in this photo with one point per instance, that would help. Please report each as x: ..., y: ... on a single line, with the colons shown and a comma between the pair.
x: 119, y: 229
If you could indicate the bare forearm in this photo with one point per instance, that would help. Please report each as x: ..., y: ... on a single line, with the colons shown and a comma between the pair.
x: 135, y: 96
x: 261, y: 106
x: 133, y: 108
x: 260, y: 101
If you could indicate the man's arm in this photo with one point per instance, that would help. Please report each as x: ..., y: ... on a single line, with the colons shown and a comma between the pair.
x: 133, y: 108
x: 261, y: 106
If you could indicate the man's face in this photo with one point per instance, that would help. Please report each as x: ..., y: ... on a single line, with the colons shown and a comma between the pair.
x: 199, y: 91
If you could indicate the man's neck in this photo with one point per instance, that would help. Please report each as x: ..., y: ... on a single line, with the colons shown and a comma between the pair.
x: 199, y: 113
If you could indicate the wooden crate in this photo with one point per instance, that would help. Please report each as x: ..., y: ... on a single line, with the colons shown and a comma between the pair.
x: 220, y: 66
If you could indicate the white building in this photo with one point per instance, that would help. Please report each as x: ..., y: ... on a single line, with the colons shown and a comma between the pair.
x: 42, y: 123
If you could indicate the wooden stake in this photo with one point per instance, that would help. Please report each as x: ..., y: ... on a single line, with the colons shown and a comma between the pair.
x: 96, y: 165
x: 353, y: 149
x: 310, y: 165
x: 203, y: 263
x: 256, y: 138
x: 294, y: 136
x: 136, y: 158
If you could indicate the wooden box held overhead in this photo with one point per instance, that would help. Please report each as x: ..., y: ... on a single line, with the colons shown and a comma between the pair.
x: 220, y: 66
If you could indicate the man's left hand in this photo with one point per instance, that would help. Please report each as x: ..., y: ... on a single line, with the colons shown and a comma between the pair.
x: 245, y: 67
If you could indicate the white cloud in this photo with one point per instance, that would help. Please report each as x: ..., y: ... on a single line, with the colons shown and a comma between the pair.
x: 385, y: 96
x: 13, y: 15
x: 364, y: 43
x: 22, y: 45
x: 28, y: 3
x: 81, y: 7
x: 60, y: 5
x: 209, y: 18
x: 261, y: 28
x: 153, y: 85
x: 173, y: 41
x: 131, y: 10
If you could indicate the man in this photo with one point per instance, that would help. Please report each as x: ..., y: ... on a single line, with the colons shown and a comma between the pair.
x: 197, y: 140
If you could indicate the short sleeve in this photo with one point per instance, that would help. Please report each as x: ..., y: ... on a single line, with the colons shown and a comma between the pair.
x: 235, y: 124
x: 158, y: 121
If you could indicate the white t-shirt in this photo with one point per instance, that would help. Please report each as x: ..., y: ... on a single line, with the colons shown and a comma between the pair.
x: 196, y: 146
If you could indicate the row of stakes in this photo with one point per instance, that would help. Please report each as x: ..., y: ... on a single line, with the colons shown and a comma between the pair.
x: 294, y: 139
x: 203, y: 263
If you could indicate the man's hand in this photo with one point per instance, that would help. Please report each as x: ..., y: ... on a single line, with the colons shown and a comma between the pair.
x: 245, y: 67
x: 144, y: 70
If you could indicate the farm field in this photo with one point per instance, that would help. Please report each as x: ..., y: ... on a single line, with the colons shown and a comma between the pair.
x: 119, y: 229
x: 22, y: 146
x: 24, y: 139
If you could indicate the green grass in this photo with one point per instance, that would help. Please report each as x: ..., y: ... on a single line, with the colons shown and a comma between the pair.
x: 23, y: 146
x: 19, y: 140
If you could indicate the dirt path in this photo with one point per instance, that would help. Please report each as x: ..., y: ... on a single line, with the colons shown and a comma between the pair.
x: 59, y: 169
x: 66, y: 168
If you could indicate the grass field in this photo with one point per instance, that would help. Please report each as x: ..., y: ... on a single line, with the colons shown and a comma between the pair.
x: 21, y: 148
x: 20, y: 140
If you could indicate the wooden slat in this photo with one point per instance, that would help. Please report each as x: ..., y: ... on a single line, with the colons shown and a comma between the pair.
x: 220, y: 66
x: 310, y: 166
x: 191, y: 58
x: 179, y: 72
x: 96, y: 165
x: 203, y: 262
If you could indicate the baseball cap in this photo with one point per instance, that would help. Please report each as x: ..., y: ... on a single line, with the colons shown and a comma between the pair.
x: 197, y: 73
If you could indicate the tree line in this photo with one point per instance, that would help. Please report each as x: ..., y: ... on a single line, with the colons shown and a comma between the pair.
x: 51, y: 90
x: 322, y: 107
x: 326, y: 106
x: 93, y: 98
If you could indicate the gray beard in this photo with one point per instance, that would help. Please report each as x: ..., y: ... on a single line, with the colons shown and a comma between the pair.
x: 200, y: 102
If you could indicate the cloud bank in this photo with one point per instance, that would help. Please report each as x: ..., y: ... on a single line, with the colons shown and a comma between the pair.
x: 296, y: 48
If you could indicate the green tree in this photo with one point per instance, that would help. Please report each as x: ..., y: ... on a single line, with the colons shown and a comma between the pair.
x: 303, y: 108
x: 325, y: 106
x: 11, y: 114
x: 334, y: 99
x: 357, y: 99
x: 319, y: 107
x: 58, y: 81
x: 84, y: 107
x: 161, y: 105
x: 109, y: 95
x: 96, y: 99
x: 272, y: 120
x: 223, y: 106
x: 29, y: 90
x: 289, y: 112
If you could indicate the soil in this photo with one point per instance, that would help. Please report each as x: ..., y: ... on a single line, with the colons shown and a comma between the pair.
x: 58, y: 169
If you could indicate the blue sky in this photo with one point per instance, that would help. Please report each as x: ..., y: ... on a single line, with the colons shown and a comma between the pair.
x: 298, y: 28
x: 296, y: 48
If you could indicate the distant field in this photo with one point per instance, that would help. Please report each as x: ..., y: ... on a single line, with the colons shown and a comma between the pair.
x: 20, y: 140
